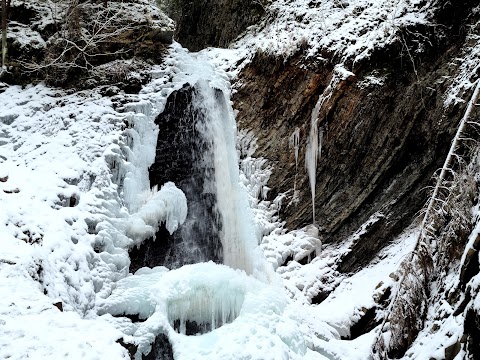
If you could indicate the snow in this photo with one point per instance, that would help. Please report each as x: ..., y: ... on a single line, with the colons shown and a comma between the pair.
x: 25, y: 36
x: 169, y: 205
x: 468, y: 65
x: 66, y: 222
x: 51, y: 149
x: 205, y: 293
x: 349, y: 30
x: 75, y: 196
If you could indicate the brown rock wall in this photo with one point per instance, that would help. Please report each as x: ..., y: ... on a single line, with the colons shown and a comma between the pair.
x: 382, y: 143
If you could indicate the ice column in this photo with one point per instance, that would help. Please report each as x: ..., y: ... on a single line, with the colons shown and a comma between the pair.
x: 314, y: 151
x: 295, y: 143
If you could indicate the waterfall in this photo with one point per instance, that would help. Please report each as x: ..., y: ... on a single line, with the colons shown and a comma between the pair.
x: 196, y: 149
x: 237, y: 231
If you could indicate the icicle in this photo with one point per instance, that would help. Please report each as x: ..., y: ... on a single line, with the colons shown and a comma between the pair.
x: 313, y: 151
x: 314, y: 145
x: 205, y: 309
x: 295, y: 143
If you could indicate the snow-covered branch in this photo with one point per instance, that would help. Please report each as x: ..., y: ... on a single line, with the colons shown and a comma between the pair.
x: 87, y: 35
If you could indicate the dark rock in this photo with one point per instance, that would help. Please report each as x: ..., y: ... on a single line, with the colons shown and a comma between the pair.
x: 161, y: 349
x: 472, y: 332
x: 152, y: 253
x: 11, y: 191
x: 365, y: 324
x: 8, y: 119
x: 319, y: 298
x: 59, y: 306
x: 131, y: 348
x: 204, y: 23
x: 470, y: 267
x: 192, y: 328
x: 452, y: 350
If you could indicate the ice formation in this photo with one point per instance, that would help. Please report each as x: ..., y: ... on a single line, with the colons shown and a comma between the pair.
x: 295, y: 143
x: 168, y: 205
x: 210, y: 295
x: 203, y: 298
x: 313, y: 151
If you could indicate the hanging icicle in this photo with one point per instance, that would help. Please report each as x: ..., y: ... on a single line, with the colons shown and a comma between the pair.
x: 295, y: 144
x: 313, y: 152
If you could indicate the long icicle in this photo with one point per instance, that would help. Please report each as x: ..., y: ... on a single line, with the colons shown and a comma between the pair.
x: 312, y: 152
x: 295, y: 143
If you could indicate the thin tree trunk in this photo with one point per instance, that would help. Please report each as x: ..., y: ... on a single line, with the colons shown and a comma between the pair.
x: 4, y: 33
x: 426, y: 218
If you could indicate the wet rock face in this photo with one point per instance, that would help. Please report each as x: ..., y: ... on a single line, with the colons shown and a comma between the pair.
x: 472, y: 332
x: 180, y: 158
x: 382, y: 141
x: 161, y: 349
x: 204, y: 23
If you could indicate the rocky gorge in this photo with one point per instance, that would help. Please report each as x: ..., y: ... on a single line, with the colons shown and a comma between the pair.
x: 378, y: 91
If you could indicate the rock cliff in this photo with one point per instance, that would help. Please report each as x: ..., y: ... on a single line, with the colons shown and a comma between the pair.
x: 203, y: 23
x: 385, y: 132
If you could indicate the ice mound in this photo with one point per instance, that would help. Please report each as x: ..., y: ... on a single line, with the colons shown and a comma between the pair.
x: 206, y: 306
x: 235, y: 315
x: 168, y: 205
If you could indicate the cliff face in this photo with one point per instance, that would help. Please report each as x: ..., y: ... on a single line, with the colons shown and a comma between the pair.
x: 385, y: 132
x: 66, y: 43
x: 201, y: 23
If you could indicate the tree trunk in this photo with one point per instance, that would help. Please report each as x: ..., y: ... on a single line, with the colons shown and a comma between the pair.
x: 4, y: 33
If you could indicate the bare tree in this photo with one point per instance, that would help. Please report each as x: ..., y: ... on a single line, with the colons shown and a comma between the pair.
x: 408, y: 306
x: 87, y: 36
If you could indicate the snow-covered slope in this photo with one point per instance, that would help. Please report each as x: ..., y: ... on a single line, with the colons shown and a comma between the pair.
x: 74, y: 197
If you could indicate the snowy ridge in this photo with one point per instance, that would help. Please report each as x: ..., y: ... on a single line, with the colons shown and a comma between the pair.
x: 52, y: 152
x: 349, y: 30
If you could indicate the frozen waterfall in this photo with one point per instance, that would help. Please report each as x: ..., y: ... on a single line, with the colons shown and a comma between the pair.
x: 179, y: 291
x: 196, y: 150
x: 237, y: 236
